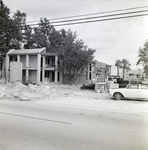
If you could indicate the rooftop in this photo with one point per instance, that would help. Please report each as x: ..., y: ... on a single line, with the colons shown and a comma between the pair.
x: 26, y: 51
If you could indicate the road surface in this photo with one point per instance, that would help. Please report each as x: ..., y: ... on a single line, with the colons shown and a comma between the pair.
x: 48, y: 126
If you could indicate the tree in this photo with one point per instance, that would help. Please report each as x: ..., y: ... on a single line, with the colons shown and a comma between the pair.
x: 10, y: 29
x: 124, y: 63
x: 118, y: 63
x: 41, y: 35
x: 75, y: 55
x: 20, y: 23
x: 6, y: 31
x: 5, y: 23
x: 76, y: 60
x: 143, y: 57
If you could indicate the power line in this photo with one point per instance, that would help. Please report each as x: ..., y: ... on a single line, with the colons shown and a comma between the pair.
x: 90, y: 21
x: 101, y: 16
x: 127, y: 13
x: 94, y: 13
x: 101, y: 20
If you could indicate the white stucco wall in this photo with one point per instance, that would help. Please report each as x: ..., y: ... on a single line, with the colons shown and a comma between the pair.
x: 33, y: 61
x: 15, y: 71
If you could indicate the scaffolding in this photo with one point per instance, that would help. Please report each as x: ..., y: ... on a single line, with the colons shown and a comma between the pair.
x: 100, y: 83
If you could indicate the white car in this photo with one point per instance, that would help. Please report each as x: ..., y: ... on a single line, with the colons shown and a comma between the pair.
x: 132, y: 91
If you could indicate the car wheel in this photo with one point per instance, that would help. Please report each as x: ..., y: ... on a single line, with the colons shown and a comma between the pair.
x: 117, y: 96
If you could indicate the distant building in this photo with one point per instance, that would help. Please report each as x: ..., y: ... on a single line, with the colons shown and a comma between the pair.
x: 96, y: 68
x: 134, y: 74
x: 114, y: 71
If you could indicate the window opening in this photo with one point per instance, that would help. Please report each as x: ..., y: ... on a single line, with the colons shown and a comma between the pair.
x: 47, y: 74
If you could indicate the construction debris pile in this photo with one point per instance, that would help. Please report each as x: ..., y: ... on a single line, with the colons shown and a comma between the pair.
x: 19, y: 91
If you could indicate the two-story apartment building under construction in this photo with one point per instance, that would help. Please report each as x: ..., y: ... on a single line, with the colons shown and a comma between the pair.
x: 31, y: 65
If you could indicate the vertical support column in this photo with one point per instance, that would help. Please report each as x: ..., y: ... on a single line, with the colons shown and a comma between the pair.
x: 124, y: 73
x: 43, y: 69
x: 61, y: 71
x: 109, y: 70
x: 3, y: 67
x: 27, y: 66
x: 50, y: 61
x: 88, y: 71
x: 56, y: 69
x: 38, y: 67
x: 21, y: 71
x: 92, y: 73
x: 7, y: 67
x: 18, y: 58
x: 50, y: 76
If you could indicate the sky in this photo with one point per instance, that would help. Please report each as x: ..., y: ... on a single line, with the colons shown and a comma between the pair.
x: 112, y: 39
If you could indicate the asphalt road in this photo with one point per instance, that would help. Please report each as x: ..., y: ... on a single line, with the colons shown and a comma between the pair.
x: 35, y: 126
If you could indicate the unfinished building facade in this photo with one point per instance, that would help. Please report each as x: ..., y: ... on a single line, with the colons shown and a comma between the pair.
x: 32, y: 65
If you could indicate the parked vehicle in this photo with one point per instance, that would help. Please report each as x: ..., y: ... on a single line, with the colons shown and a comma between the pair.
x: 122, y: 83
x: 90, y: 86
x: 132, y: 91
